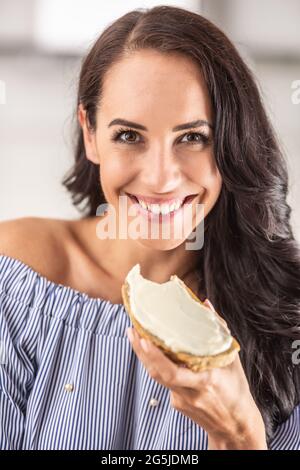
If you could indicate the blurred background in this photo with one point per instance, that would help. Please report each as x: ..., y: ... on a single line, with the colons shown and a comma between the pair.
x: 42, y: 43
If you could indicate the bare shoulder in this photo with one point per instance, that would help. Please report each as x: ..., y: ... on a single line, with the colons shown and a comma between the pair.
x: 41, y: 243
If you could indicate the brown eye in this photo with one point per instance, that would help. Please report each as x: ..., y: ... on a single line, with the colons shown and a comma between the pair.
x: 129, y: 136
x: 201, y: 138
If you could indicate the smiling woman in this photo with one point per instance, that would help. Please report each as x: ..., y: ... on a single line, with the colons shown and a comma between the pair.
x: 192, y: 131
x: 164, y: 152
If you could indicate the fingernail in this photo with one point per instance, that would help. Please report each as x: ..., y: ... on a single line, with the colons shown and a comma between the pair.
x: 129, y: 334
x: 144, y: 345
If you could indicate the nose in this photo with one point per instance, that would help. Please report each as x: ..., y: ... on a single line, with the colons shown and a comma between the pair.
x: 161, y: 172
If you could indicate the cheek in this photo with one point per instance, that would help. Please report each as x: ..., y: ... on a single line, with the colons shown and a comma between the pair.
x: 209, y: 178
x: 115, y: 173
x: 215, y: 180
x: 213, y: 190
x: 205, y: 171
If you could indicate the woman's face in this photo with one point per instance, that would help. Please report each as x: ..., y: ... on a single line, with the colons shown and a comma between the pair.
x: 151, y: 158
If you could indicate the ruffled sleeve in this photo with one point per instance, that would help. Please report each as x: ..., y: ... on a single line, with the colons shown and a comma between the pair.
x: 48, y: 334
x: 287, y: 435
x: 18, y: 327
x: 52, y: 336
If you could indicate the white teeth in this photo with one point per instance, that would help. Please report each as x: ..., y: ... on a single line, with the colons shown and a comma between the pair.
x: 165, y: 208
x: 143, y: 204
x: 161, y: 208
x: 177, y: 205
x: 154, y: 208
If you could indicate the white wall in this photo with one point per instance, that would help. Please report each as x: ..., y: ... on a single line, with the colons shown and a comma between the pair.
x: 36, y: 145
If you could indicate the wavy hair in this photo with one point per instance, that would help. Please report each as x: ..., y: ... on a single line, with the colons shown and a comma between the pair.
x: 250, y: 262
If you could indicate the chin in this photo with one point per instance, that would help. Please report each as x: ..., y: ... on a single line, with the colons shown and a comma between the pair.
x: 161, y: 244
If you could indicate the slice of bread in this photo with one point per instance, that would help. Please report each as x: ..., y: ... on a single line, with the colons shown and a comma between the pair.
x: 195, y: 363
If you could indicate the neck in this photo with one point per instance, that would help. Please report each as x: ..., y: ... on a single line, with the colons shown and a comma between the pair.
x: 118, y: 256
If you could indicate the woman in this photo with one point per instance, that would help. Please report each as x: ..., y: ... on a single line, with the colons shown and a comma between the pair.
x: 166, y: 109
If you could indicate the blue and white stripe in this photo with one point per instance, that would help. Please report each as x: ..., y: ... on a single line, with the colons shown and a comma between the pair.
x: 54, y: 335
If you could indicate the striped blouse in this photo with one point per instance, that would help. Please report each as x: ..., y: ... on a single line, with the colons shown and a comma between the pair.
x: 69, y: 378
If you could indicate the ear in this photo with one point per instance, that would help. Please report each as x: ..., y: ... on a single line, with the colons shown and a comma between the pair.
x: 88, y: 136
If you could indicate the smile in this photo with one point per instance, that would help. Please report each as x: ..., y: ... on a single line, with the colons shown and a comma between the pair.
x: 162, y: 209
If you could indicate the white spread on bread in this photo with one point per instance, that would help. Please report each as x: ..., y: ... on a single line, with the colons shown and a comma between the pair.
x: 169, y: 312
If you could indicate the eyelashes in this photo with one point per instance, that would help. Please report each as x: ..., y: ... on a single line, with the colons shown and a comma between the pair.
x: 116, y: 137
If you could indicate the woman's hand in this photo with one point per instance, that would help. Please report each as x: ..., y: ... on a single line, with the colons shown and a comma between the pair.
x: 218, y: 400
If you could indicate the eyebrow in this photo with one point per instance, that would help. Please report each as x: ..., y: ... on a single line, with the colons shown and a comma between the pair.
x: 180, y: 127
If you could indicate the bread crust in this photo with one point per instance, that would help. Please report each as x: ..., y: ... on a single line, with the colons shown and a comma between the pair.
x: 195, y: 363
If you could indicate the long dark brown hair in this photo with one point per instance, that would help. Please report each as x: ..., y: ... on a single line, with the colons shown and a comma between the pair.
x: 250, y: 262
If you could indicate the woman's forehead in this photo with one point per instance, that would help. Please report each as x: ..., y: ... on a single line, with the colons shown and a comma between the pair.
x: 157, y: 89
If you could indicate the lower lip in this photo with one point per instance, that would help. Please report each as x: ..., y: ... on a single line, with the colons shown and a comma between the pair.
x: 160, y: 217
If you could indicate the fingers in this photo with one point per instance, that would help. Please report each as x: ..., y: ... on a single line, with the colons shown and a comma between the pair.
x: 161, y: 368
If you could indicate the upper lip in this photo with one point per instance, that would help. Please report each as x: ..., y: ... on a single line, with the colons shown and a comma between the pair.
x: 155, y: 200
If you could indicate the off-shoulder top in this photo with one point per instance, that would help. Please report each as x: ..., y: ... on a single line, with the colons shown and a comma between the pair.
x: 69, y: 378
